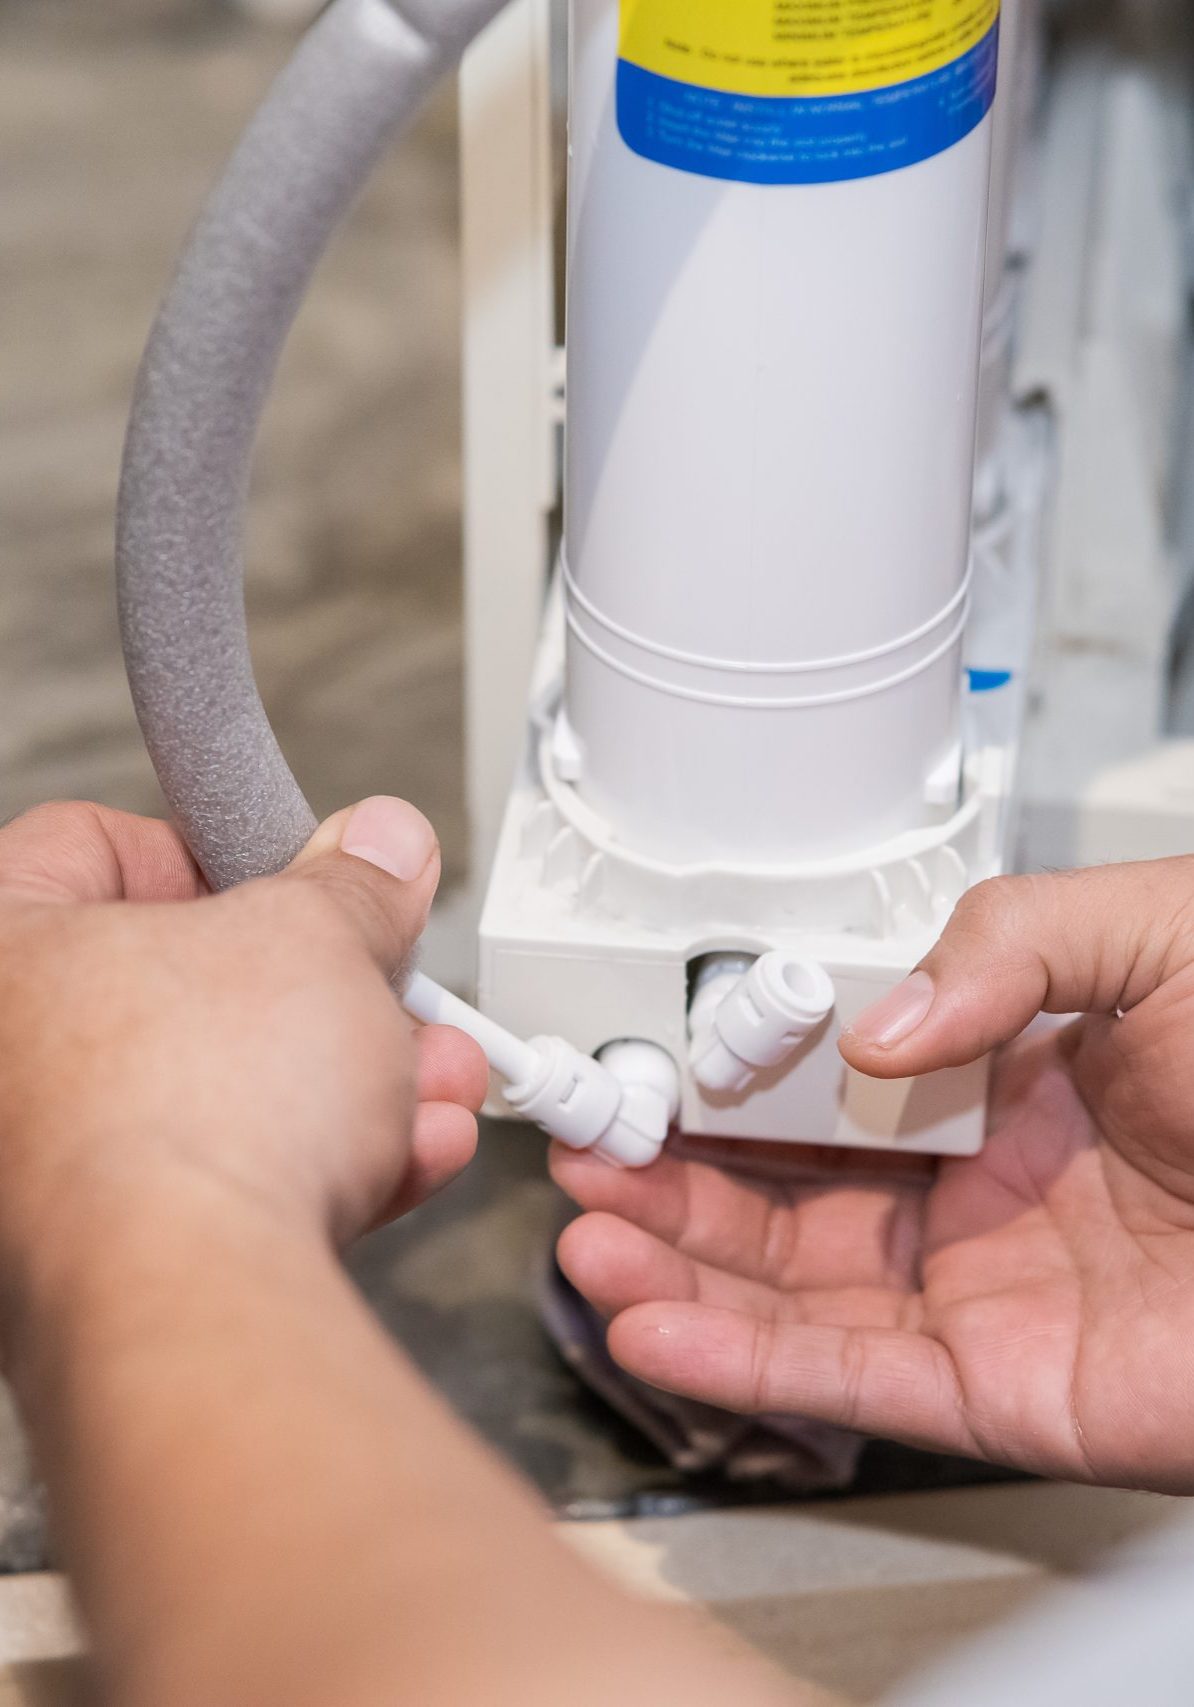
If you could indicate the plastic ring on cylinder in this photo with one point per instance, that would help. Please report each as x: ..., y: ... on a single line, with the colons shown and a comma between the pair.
x: 741, y: 703
x: 806, y: 667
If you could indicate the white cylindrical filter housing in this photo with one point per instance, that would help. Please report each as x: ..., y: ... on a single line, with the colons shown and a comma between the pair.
x: 776, y: 284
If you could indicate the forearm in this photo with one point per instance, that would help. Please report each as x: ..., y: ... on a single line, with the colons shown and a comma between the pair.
x: 261, y: 1502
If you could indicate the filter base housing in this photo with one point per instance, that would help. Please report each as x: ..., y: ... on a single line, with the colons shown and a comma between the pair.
x: 582, y: 938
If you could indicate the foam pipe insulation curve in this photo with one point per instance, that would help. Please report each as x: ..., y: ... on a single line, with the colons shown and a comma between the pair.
x: 358, y: 77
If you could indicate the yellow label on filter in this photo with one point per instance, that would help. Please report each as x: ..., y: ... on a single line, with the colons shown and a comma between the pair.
x: 803, y: 91
x: 801, y: 47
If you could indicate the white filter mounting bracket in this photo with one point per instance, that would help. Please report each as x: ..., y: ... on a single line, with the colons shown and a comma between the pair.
x: 586, y: 940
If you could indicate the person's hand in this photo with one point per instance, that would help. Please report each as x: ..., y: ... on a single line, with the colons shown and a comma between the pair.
x: 159, y: 1045
x: 1034, y: 1306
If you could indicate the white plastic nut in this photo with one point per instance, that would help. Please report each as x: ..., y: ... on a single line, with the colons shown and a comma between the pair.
x: 586, y: 1105
x: 760, y: 1022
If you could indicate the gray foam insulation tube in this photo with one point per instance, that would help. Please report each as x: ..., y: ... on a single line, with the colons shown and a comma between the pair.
x: 357, y: 78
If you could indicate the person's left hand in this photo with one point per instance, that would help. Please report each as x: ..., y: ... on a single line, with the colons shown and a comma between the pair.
x: 1033, y: 1305
x: 162, y: 1047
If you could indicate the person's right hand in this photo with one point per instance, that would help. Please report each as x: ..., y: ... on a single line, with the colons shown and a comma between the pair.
x: 165, y: 1052
x: 1033, y: 1306
x: 260, y: 1501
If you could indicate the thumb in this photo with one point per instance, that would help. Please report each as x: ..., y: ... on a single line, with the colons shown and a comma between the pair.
x: 1095, y: 941
x: 380, y: 864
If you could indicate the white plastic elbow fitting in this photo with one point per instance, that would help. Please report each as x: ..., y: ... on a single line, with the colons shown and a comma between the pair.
x: 621, y: 1111
x: 759, y: 1022
x: 650, y: 1083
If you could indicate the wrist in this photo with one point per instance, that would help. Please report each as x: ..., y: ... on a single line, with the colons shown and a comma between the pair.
x: 100, y: 1258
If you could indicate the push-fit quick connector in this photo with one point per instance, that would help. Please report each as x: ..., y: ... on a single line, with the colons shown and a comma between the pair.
x: 585, y: 1104
x: 621, y: 1107
x: 748, y: 1022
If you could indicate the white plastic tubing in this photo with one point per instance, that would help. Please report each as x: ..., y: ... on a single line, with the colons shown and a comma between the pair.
x: 776, y: 290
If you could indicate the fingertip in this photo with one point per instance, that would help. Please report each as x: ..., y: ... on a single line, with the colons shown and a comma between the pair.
x: 444, y: 1143
x: 579, y: 1173
x: 617, y: 1265
x: 883, y: 1027
x: 575, y: 1255
x: 382, y: 831
x: 452, y: 1067
x: 873, y: 1062
x: 379, y: 862
x: 588, y: 1249
x: 392, y: 835
x: 928, y: 1023
x: 445, y: 1139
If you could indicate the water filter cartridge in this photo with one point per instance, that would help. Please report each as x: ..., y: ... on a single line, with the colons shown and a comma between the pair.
x: 778, y: 220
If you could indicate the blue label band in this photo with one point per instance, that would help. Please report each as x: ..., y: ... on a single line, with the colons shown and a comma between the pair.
x: 989, y: 681
x: 752, y: 139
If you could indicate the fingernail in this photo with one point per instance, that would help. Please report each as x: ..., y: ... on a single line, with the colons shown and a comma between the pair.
x: 893, y: 1019
x: 391, y: 834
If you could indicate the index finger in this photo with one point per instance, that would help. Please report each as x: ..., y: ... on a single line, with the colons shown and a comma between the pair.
x: 846, y: 1227
x: 1077, y: 942
x: 74, y: 851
